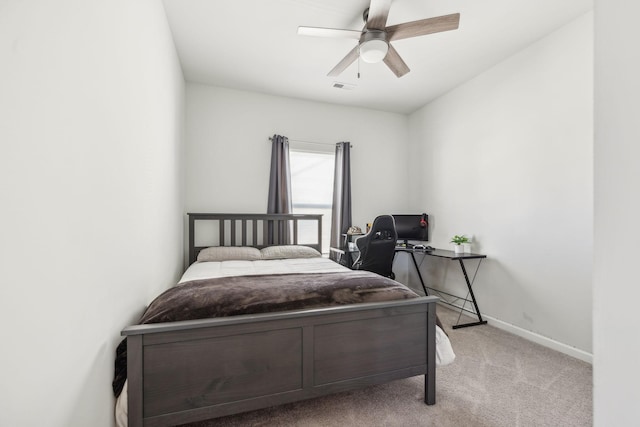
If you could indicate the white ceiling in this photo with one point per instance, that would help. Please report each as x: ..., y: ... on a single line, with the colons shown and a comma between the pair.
x: 253, y: 45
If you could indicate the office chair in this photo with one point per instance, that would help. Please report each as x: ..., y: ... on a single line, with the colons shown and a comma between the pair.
x: 377, y: 247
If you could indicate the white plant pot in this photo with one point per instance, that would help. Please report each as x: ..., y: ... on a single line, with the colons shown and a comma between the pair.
x: 467, y: 248
x: 458, y: 249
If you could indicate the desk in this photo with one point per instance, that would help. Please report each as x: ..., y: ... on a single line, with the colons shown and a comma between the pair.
x: 440, y: 253
x: 345, y: 255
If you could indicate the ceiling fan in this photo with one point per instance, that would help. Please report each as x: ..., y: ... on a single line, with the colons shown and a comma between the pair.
x: 374, y: 39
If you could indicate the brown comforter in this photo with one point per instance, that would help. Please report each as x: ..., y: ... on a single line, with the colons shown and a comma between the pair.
x: 229, y: 296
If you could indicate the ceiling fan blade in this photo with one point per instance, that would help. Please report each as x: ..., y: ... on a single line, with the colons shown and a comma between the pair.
x: 378, y: 13
x: 395, y: 63
x: 329, y: 32
x: 344, y: 63
x: 423, y: 27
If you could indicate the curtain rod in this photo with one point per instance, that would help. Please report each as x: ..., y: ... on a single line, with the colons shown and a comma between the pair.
x: 311, y: 142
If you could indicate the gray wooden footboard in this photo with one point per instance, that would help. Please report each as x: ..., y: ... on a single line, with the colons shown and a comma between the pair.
x: 187, y: 371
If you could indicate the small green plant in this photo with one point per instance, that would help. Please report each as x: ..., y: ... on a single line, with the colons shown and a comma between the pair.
x: 458, y: 240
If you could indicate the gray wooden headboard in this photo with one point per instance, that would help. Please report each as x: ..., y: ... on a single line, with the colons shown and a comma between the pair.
x: 251, y: 230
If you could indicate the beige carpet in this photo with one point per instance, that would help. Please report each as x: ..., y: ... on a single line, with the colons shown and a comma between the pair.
x: 498, y: 379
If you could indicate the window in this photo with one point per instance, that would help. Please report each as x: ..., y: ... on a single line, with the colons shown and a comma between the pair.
x: 312, y: 191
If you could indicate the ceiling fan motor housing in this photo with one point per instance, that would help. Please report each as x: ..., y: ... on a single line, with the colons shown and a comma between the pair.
x: 373, y: 46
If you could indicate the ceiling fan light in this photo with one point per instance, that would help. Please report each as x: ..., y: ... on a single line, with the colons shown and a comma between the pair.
x: 373, y: 51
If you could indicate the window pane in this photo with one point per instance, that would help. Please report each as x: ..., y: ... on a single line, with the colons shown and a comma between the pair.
x: 312, y: 191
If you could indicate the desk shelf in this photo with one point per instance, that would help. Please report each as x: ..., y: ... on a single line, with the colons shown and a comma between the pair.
x: 345, y: 255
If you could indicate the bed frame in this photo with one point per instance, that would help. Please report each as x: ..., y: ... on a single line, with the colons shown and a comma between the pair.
x: 188, y: 371
x: 252, y: 230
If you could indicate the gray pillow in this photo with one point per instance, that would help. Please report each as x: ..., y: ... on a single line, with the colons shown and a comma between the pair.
x: 289, y: 251
x: 228, y: 253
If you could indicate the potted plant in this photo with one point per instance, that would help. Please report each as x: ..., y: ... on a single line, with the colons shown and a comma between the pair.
x: 458, y: 241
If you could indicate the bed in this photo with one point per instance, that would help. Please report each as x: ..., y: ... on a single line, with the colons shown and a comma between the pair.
x: 190, y: 370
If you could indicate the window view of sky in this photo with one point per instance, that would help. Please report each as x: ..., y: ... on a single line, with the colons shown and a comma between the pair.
x: 312, y: 178
x: 312, y: 191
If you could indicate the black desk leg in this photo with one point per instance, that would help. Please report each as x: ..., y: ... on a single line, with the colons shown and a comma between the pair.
x: 473, y: 299
x: 419, y: 275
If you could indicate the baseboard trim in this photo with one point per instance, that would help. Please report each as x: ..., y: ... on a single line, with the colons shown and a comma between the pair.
x: 539, y: 339
x: 532, y: 336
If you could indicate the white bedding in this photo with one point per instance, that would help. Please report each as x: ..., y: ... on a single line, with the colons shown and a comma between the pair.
x: 214, y: 269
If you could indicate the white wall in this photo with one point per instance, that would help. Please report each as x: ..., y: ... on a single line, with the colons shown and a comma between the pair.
x: 228, y: 151
x: 507, y: 159
x: 617, y: 209
x: 91, y: 123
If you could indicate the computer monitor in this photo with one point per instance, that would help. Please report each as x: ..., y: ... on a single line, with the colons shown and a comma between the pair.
x: 412, y: 227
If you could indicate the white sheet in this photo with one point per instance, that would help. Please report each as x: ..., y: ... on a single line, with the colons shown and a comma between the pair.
x: 213, y: 269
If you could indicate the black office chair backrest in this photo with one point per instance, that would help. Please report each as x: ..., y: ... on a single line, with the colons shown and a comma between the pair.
x: 377, y: 247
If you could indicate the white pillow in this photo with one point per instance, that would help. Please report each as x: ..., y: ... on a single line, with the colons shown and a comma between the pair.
x: 289, y: 251
x: 229, y: 253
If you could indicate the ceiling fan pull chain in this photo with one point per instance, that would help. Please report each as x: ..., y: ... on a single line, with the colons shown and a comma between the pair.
x: 358, y: 61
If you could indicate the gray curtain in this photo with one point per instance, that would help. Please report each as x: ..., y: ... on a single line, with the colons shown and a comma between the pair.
x: 341, y: 212
x: 279, y: 189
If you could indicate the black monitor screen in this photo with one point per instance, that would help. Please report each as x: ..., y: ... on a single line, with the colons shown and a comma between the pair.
x: 412, y: 227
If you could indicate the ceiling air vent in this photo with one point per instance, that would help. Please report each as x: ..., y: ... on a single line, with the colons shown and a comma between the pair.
x: 345, y: 86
